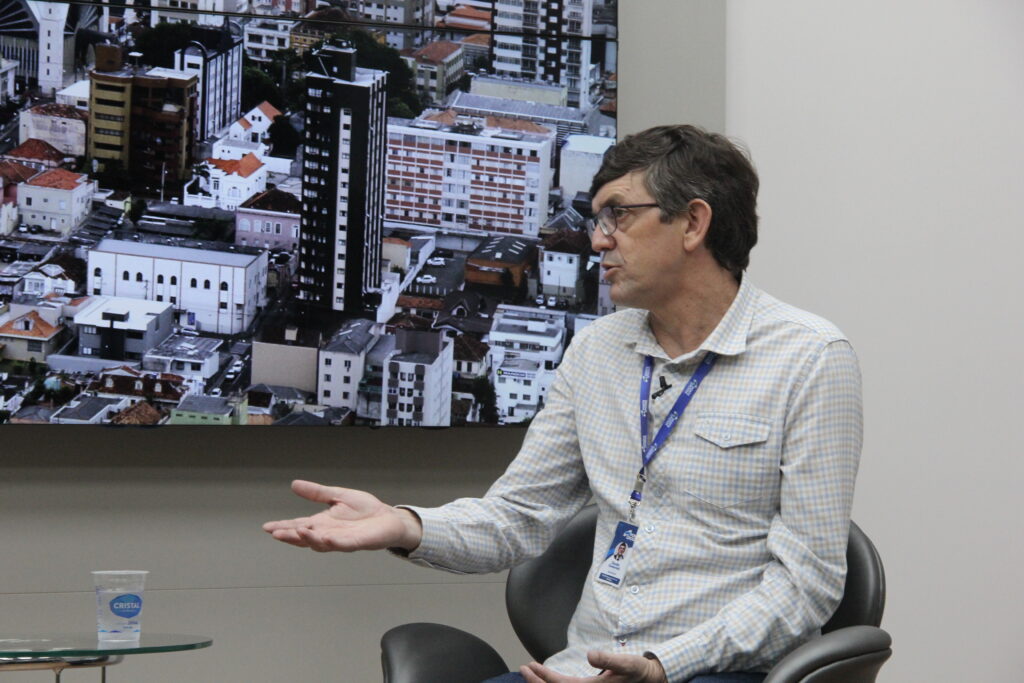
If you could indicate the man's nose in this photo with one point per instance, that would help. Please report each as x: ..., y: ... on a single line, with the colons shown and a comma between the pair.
x: 601, y: 242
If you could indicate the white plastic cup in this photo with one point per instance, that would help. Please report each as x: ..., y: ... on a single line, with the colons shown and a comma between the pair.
x: 119, y: 603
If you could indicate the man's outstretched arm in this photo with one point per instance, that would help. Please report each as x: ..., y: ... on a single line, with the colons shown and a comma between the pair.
x: 354, y: 520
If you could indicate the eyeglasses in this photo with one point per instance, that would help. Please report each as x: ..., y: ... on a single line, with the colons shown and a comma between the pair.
x: 607, y: 219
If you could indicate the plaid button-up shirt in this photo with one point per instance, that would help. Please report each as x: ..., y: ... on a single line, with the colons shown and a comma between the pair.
x: 740, y: 552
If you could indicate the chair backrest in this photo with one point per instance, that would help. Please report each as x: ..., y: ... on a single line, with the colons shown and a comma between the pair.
x: 541, y: 594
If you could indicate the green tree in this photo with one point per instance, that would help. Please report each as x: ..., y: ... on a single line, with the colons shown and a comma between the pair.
x: 372, y: 54
x: 258, y: 87
x: 284, y: 139
x: 485, y: 396
x: 138, y: 208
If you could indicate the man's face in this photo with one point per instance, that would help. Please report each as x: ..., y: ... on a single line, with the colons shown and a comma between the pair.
x: 643, y: 257
x: 621, y: 549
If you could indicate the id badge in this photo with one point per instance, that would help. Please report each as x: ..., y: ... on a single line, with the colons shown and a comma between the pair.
x: 613, y: 568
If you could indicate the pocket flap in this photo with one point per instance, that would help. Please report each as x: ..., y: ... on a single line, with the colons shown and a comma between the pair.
x: 726, y: 431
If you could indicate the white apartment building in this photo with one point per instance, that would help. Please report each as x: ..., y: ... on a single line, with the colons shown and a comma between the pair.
x: 526, y: 346
x: 581, y: 157
x: 266, y: 35
x: 560, y: 263
x: 226, y: 183
x: 342, y: 362
x: 559, y: 53
x: 56, y: 200
x: 217, y: 65
x: 520, y: 388
x: 415, y: 12
x: 523, y: 332
x: 491, y: 175
x: 417, y: 381
x: 49, y: 278
x: 212, y: 289
x: 210, y: 11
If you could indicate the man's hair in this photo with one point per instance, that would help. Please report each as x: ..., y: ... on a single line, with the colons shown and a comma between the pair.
x: 682, y: 163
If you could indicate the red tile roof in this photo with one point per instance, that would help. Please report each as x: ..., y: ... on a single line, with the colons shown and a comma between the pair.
x: 269, y: 110
x: 65, y: 111
x: 243, y: 167
x: 244, y: 122
x: 482, y: 39
x: 436, y: 52
x: 59, y: 178
x: 34, y: 148
x: 13, y: 172
x: 39, y: 328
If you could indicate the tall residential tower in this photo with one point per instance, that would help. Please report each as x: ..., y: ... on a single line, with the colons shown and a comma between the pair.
x: 342, y: 182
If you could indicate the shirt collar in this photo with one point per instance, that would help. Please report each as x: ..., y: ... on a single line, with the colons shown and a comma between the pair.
x: 729, y: 338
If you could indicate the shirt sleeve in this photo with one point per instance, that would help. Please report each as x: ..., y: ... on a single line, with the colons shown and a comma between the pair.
x: 543, y: 488
x: 803, y: 584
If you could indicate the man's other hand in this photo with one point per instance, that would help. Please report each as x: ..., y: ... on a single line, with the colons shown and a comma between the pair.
x: 353, y: 520
x: 616, y: 669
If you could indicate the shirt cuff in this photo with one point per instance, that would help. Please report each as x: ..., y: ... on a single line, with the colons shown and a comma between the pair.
x: 434, y: 550
x: 682, y: 657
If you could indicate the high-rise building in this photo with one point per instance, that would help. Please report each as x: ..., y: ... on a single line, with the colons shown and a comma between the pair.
x: 215, y: 57
x: 142, y: 117
x: 408, y: 12
x: 342, y: 182
x: 559, y: 53
x: 487, y: 175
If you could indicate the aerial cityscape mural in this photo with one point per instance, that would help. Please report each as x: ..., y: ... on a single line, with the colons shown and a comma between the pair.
x: 297, y: 212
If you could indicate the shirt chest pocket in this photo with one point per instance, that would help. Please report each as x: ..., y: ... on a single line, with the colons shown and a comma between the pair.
x: 730, y: 461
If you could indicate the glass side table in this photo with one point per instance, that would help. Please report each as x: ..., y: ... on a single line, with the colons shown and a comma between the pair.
x: 60, y: 651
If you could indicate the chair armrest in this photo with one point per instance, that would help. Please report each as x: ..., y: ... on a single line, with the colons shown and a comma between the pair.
x: 428, y: 653
x: 847, y: 655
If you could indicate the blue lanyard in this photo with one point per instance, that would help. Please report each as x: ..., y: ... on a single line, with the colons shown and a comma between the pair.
x: 649, y: 449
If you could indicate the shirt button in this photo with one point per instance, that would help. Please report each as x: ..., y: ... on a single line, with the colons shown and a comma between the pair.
x: 634, y: 589
x: 622, y: 641
x: 649, y: 528
x: 726, y: 438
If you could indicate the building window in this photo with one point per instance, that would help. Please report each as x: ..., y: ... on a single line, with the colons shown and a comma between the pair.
x: 223, y: 286
x: 206, y: 284
x: 98, y: 272
x: 33, y: 346
x: 327, y: 362
x: 193, y: 283
x: 223, y: 305
x: 174, y: 280
x: 138, y: 277
x: 159, y: 279
x: 344, y: 394
x: 124, y: 276
x: 327, y: 393
x: 327, y: 378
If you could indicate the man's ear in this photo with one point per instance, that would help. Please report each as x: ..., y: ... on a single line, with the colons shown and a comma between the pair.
x: 697, y: 222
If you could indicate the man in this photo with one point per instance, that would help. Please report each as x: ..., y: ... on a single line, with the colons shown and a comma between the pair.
x: 735, y: 483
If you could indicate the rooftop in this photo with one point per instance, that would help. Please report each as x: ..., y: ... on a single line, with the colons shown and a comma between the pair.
x: 243, y: 167
x: 503, y: 249
x: 436, y: 52
x: 38, y: 328
x: 463, y: 101
x: 64, y: 111
x: 354, y: 337
x: 238, y: 258
x: 120, y: 313
x: 274, y: 200
x: 269, y: 110
x: 210, y: 405
x: 187, y: 348
x: 85, y: 408
x: 590, y: 144
x: 59, y: 179
x: 13, y: 172
x: 37, y: 149
x: 450, y: 117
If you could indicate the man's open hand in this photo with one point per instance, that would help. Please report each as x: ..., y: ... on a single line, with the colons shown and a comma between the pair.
x: 617, y: 669
x: 353, y: 520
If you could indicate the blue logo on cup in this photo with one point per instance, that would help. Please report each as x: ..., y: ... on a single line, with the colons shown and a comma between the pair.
x: 126, y: 606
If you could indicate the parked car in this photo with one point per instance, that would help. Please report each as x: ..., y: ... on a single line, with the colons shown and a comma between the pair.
x: 426, y: 279
x: 539, y: 300
x: 435, y: 261
x: 215, y: 391
x: 552, y: 301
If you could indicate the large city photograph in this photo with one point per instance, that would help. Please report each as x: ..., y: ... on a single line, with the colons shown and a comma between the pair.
x: 297, y: 212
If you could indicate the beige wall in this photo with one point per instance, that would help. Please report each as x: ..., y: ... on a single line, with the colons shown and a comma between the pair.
x: 286, y: 366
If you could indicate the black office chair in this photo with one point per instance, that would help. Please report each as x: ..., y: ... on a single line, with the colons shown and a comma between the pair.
x: 542, y: 593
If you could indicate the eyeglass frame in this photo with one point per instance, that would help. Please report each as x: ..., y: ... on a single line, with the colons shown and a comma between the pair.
x: 594, y: 223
